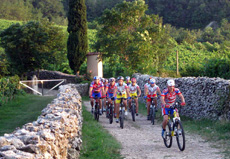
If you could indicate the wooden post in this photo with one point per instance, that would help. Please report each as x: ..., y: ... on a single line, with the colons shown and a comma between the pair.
x: 177, y: 64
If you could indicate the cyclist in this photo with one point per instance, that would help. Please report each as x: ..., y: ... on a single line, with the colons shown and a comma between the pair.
x: 96, y: 89
x: 105, y: 83
x: 111, y: 90
x: 122, y: 92
x: 146, y: 89
x: 152, y: 90
x: 133, y: 88
x: 168, y: 98
x: 127, y: 81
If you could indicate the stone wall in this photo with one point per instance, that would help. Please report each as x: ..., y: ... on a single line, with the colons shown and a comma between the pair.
x: 44, y: 74
x: 205, y: 97
x: 55, y: 134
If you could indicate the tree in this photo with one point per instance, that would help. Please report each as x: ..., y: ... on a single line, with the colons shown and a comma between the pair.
x: 137, y: 39
x: 77, y: 45
x: 32, y: 46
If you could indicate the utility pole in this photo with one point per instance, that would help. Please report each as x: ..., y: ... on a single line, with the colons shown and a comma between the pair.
x: 177, y: 64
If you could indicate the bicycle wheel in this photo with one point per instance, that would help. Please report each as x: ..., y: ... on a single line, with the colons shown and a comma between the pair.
x: 111, y: 114
x: 133, y: 111
x: 180, y: 136
x: 150, y: 114
x: 121, y: 119
x: 153, y: 116
x: 168, y: 136
x: 95, y: 112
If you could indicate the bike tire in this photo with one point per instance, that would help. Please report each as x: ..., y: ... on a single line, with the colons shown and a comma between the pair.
x: 111, y: 115
x: 122, y: 119
x: 150, y: 114
x: 153, y: 116
x: 168, y: 136
x: 133, y: 112
x: 180, y: 137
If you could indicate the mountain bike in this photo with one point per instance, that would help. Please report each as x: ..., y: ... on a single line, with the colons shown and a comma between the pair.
x: 133, y: 107
x: 174, y: 128
x: 97, y: 108
x: 122, y: 112
x: 152, y: 112
x: 109, y: 111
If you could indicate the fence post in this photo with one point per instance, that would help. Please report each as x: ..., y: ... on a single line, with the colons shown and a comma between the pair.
x: 177, y: 63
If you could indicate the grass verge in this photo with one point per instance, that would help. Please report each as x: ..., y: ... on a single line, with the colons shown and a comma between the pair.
x: 97, y: 142
x: 21, y: 110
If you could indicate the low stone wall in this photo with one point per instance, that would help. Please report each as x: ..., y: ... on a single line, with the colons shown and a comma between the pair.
x: 55, y: 134
x: 44, y: 74
x: 205, y: 97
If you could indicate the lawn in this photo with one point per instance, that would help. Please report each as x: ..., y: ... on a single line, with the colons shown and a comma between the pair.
x: 21, y: 110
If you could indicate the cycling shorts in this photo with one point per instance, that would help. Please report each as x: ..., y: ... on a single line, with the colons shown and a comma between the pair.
x: 109, y: 95
x: 165, y: 111
x: 118, y: 101
x: 133, y: 95
x: 149, y: 97
x: 96, y: 94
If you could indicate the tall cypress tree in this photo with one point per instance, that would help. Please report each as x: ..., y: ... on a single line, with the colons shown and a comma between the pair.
x: 77, y: 45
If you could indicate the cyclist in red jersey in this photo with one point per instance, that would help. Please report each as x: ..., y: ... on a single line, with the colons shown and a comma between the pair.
x: 105, y: 82
x: 168, y: 98
x: 111, y: 90
x: 96, y: 89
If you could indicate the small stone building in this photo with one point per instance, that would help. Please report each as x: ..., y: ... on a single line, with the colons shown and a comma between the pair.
x: 94, y: 65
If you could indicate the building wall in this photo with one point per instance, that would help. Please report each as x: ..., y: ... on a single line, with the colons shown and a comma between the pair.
x: 94, y: 66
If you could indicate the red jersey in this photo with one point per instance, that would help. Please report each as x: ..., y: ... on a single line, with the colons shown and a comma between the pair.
x: 170, y: 98
x: 96, y: 87
x: 111, y: 88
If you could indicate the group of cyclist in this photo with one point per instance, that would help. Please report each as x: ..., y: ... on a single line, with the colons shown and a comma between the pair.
x: 113, y: 90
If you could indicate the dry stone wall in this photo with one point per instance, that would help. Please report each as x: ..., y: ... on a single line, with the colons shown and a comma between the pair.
x: 55, y: 134
x: 205, y: 97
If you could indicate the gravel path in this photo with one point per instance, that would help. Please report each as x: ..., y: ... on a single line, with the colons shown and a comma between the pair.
x: 140, y: 140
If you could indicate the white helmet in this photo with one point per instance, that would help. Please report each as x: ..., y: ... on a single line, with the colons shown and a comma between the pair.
x: 152, y: 81
x: 171, y: 82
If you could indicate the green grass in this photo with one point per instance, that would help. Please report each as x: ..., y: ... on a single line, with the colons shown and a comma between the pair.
x: 97, y: 142
x: 21, y: 110
x: 217, y: 132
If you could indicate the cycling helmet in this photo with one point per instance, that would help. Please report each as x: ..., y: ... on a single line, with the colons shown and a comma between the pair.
x: 105, y: 80
x: 127, y: 78
x: 152, y: 81
x: 111, y: 79
x: 171, y: 82
x: 133, y: 80
x: 150, y: 78
x: 95, y: 77
x: 120, y: 78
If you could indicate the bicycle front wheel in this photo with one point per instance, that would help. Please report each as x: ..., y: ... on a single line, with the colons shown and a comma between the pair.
x: 168, y: 136
x: 153, y: 116
x: 122, y: 119
x: 133, y: 112
x: 180, y: 136
x: 111, y: 115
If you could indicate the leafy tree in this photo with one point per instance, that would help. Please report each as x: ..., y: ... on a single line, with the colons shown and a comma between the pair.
x: 138, y: 40
x: 32, y: 46
x: 77, y: 45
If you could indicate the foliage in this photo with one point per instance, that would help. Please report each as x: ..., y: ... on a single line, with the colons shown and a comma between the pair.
x: 32, y: 46
x: 23, y: 109
x: 9, y: 87
x: 52, y: 10
x: 136, y: 40
x: 77, y: 44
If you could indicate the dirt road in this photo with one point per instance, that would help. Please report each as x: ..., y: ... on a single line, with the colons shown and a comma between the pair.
x: 140, y: 140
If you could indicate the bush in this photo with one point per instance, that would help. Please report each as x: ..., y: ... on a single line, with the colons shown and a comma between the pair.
x: 9, y: 87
